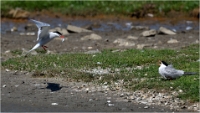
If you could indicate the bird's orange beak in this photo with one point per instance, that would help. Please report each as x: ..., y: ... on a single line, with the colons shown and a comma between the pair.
x: 61, y: 36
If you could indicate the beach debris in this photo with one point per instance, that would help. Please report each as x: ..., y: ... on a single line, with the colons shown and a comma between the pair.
x: 91, y: 37
x: 75, y: 29
x: 163, y: 30
x: 151, y: 32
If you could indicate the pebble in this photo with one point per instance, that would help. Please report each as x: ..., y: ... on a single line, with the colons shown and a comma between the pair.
x: 7, y: 70
x: 172, y: 41
x: 188, y: 28
x: 90, y: 47
x: 108, y: 98
x: 99, y: 63
x: 140, y: 27
x: 92, y: 52
x: 36, y: 85
x: 148, y: 33
x: 90, y: 100
x: 150, y: 15
x: 14, y: 29
x: 132, y: 97
x: 105, y: 83
x: 129, y: 24
x: 8, y: 51
x: 138, y: 67
x: 124, y: 42
x: 180, y: 90
x: 54, y: 104
x: 140, y: 46
x: 145, y: 107
x: 110, y: 105
x: 91, y: 37
x: 87, y: 89
x: 121, y: 95
x: 108, y: 101
x: 132, y: 37
x: 174, y: 30
x: 4, y: 85
x: 196, y: 108
x: 28, y: 33
x: 189, y: 22
x: 166, y: 31
x: 143, y: 102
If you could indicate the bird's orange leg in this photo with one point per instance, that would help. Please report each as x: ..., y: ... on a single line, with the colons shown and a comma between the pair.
x: 44, y: 47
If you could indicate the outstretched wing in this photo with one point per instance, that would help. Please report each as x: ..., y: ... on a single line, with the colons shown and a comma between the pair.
x: 44, y: 33
x: 40, y: 26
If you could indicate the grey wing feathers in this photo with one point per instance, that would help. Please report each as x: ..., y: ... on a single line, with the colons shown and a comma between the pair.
x: 39, y: 24
x: 44, y: 32
x: 172, y: 72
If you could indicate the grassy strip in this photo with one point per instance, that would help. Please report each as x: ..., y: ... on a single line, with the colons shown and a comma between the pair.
x: 66, y: 65
x: 99, y: 7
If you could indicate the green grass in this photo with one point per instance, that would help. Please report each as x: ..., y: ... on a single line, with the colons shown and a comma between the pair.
x: 66, y: 66
x: 98, y: 7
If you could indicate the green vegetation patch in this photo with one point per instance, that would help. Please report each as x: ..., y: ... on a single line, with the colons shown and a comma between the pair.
x: 100, y: 7
x: 137, y: 68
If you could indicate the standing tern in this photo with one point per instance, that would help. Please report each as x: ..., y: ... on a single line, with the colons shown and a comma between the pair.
x: 169, y: 72
x: 44, y: 36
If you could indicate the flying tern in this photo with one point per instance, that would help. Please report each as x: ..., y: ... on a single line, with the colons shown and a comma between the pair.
x: 44, y: 36
x: 169, y: 72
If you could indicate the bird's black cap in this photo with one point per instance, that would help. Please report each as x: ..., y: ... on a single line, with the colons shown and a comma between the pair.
x: 165, y: 63
x: 58, y: 32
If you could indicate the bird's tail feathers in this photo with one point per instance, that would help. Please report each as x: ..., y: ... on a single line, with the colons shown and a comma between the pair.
x: 35, y: 47
x: 190, y: 73
x: 25, y: 53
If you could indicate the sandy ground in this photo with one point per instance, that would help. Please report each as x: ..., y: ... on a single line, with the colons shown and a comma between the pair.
x: 22, y: 93
x: 73, y: 43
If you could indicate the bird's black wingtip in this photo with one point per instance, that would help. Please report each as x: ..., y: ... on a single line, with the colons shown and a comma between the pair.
x: 58, y: 32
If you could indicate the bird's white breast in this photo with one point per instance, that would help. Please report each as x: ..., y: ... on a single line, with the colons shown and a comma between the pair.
x: 161, y: 70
